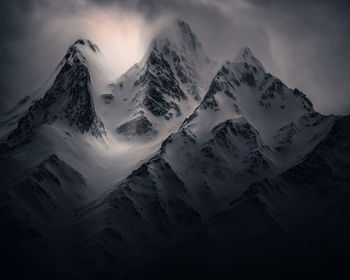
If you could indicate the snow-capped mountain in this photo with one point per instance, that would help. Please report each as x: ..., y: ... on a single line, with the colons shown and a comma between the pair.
x: 106, y: 177
x: 69, y: 100
x: 249, y: 126
x: 154, y: 95
x: 300, y: 217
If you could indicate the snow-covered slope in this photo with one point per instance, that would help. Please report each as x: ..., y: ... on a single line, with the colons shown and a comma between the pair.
x: 162, y: 89
x: 103, y: 176
x: 69, y: 100
x: 36, y: 212
x: 56, y: 153
x: 243, y: 88
x: 249, y: 126
x: 297, y: 221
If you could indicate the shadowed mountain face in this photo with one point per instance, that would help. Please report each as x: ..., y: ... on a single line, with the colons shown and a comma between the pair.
x: 68, y: 100
x: 164, y: 87
x: 293, y: 225
x: 174, y: 165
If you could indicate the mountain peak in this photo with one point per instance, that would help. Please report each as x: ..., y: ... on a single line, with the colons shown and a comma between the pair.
x: 245, y: 52
x: 180, y: 34
x: 78, y: 52
x: 178, y: 44
x: 69, y: 98
x: 183, y: 26
x: 88, y: 43
x: 169, y: 81
x: 245, y: 55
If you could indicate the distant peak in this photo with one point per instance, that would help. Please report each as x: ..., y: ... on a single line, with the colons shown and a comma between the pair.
x: 175, y: 42
x: 245, y: 55
x: 80, y: 42
x: 183, y: 26
x: 86, y: 42
x: 245, y: 52
x: 180, y: 22
x: 179, y: 33
x: 77, y: 51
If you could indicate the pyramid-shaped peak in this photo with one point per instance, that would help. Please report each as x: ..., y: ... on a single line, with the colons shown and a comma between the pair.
x: 86, y: 42
x: 184, y: 27
x: 78, y: 50
x: 245, y: 55
x: 179, y: 33
x: 245, y: 52
x: 178, y: 25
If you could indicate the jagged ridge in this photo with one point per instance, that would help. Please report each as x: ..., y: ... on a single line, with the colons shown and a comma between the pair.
x: 69, y: 99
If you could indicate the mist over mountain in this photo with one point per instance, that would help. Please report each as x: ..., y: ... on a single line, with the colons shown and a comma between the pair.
x: 183, y: 167
x: 305, y: 42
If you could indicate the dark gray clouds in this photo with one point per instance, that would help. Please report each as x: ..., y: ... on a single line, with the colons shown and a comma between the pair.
x: 305, y: 43
x: 28, y: 50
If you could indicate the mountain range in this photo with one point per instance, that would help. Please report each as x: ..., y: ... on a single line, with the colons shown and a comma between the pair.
x: 180, y: 166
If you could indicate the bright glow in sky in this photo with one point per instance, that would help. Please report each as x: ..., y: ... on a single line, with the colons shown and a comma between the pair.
x: 304, y: 45
x: 122, y: 39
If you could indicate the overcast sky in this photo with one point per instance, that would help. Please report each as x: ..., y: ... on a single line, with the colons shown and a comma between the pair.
x: 304, y: 43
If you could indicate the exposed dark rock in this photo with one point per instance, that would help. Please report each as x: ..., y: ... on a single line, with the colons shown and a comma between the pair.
x: 249, y: 79
x: 107, y: 98
x: 69, y: 99
x: 286, y: 134
x: 136, y: 127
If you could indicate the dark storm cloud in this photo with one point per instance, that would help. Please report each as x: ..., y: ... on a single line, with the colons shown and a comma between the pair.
x: 305, y: 43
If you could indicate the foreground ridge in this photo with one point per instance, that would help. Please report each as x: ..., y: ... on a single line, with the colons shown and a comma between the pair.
x: 176, y: 161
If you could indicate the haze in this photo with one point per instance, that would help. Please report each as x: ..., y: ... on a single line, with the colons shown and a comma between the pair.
x: 304, y: 44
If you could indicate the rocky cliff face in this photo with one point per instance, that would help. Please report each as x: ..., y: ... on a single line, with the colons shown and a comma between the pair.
x: 69, y: 100
x: 166, y: 84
